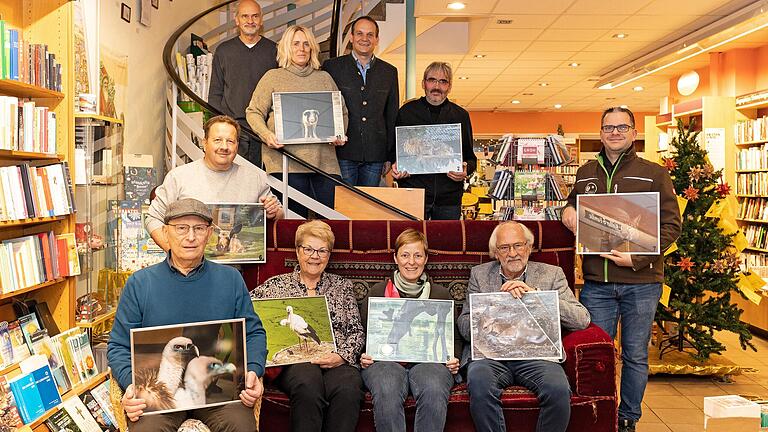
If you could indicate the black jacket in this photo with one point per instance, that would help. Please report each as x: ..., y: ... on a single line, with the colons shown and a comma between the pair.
x: 438, y: 188
x: 376, y: 101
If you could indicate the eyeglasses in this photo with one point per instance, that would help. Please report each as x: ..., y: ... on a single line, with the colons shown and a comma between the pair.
x: 519, y: 247
x: 183, y: 229
x: 309, y: 251
x: 623, y: 128
x: 220, y: 141
x: 407, y: 256
x: 434, y: 81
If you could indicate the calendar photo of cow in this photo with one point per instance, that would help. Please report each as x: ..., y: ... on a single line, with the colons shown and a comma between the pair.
x: 409, y: 330
x: 239, y: 234
x: 626, y: 222
x: 308, y: 117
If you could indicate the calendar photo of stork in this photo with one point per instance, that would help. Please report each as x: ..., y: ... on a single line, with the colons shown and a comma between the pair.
x: 507, y: 328
x: 308, y: 117
x: 188, y: 366
x: 239, y: 234
x: 410, y: 330
x: 298, y: 329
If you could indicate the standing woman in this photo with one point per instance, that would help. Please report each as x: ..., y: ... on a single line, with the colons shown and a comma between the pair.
x: 326, y: 394
x: 299, y: 71
x: 391, y: 382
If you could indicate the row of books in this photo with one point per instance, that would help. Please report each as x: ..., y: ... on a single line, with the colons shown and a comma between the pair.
x: 34, y: 259
x: 529, y: 211
x: 28, y: 191
x: 752, y: 184
x: 754, y: 208
x: 528, y: 186
x: 22, y: 60
x: 751, y: 130
x: 752, y: 259
x: 549, y: 151
x: 752, y: 158
x: 24, y: 126
x: 567, y: 169
x: 757, y: 236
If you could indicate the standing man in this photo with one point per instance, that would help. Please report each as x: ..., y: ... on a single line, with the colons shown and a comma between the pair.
x: 442, y: 192
x: 238, y: 65
x: 510, y: 244
x: 619, y: 285
x: 187, y: 288
x: 214, y: 178
x: 370, y: 89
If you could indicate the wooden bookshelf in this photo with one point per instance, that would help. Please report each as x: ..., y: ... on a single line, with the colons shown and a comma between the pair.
x: 76, y: 391
x: 30, y: 221
x: 98, y: 117
x: 21, y: 89
x: 31, y: 288
x: 20, y: 155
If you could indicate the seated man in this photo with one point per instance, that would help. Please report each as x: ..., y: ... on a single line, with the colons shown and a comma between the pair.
x: 510, y: 243
x: 187, y: 288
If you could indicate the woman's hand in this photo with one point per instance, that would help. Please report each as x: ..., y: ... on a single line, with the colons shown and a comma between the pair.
x: 365, y: 360
x: 329, y: 361
x: 271, y: 141
x: 453, y: 365
x: 134, y: 408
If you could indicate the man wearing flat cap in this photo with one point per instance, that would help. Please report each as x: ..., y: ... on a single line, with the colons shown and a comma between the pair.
x: 186, y: 288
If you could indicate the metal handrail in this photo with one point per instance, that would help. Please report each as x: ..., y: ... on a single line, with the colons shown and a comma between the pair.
x: 168, y: 58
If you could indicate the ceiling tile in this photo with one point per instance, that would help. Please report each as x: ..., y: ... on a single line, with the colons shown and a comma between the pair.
x: 596, y: 7
x: 538, y: 7
x: 511, y: 34
x: 500, y: 46
x: 557, y: 46
x: 602, y: 22
x: 523, y: 21
x: 559, y: 34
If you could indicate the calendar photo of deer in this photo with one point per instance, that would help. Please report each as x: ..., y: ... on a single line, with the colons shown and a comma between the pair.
x: 298, y: 329
x: 410, y: 330
x: 507, y: 328
x: 428, y: 149
x: 188, y: 366
x: 239, y: 234
x: 626, y: 222
x: 308, y: 117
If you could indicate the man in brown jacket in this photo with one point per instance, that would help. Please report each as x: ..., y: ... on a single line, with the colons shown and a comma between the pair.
x: 620, y: 285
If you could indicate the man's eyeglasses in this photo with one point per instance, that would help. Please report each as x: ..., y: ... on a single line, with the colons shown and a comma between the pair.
x: 183, y: 229
x: 309, y: 251
x: 434, y: 81
x: 518, y: 247
x: 623, y: 128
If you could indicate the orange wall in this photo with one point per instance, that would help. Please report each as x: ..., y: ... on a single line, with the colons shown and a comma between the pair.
x: 487, y: 122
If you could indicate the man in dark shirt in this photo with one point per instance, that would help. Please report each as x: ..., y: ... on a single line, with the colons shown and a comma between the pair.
x: 238, y: 65
x: 370, y: 89
x: 442, y: 192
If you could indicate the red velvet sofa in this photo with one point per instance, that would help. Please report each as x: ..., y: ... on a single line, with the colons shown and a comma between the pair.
x: 363, y: 253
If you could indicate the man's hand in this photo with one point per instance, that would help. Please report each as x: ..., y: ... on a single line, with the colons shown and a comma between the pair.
x: 458, y: 176
x: 621, y: 259
x: 272, y: 207
x: 569, y: 218
x: 253, y: 389
x: 398, y: 174
x: 134, y: 408
x: 365, y: 360
x: 329, y: 361
x: 271, y: 140
x: 339, y: 141
x: 516, y: 288
x: 453, y: 365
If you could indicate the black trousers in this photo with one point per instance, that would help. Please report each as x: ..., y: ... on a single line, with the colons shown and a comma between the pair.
x: 234, y: 417
x: 322, y: 399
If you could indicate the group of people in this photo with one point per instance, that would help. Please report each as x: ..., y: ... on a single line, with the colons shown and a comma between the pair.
x: 249, y: 68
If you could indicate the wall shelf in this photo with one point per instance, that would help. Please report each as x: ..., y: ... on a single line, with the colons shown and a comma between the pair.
x: 32, y: 288
x: 24, y: 90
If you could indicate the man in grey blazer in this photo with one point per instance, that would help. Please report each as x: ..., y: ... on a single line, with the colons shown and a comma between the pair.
x: 511, y: 243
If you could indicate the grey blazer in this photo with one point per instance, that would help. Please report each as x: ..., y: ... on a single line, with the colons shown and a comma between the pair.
x: 485, y: 278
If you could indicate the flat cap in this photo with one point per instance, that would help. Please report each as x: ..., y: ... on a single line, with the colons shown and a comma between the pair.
x: 188, y: 207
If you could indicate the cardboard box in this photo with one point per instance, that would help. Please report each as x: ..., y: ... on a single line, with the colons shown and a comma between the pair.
x: 731, y: 413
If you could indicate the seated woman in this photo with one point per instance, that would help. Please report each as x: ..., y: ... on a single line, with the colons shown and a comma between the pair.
x: 325, y: 394
x: 391, y: 382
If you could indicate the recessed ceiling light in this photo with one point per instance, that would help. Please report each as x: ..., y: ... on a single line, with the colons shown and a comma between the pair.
x: 624, y: 106
x: 456, y: 5
x: 527, y: 94
x: 463, y: 77
x: 558, y: 106
x: 638, y: 88
x: 620, y: 36
x: 543, y: 84
x: 515, y: 101
x: 479, y: 55
x: 574, y: 64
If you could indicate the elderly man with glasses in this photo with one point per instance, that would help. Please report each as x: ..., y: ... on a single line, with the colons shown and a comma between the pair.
x: 511, y: 243
x: 187, y: 288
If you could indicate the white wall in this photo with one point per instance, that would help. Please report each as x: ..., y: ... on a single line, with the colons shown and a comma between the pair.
x: 145, y: 98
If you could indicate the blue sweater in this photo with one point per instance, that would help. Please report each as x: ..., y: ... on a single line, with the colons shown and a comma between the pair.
x: 158, y: 295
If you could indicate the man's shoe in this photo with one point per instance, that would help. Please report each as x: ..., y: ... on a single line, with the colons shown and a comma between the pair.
x: 626, y: 425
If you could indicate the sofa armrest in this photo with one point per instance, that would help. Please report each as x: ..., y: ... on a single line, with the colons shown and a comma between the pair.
x: 590, y: 362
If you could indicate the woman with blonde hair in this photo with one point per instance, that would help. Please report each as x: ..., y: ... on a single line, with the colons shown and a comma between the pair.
x: 299, y: 71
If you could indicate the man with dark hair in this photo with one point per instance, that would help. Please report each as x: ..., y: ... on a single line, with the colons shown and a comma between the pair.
x: 214, y: 178
x: 370, y: 88
x: 238, y: 65
x: 619, y: 285
x: 442, y: 192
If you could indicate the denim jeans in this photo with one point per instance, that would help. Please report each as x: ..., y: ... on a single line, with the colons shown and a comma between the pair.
x: 361, y: 173
x: 635, y: 305
x: 487, y: 379
x: 389, y: 383
x: 436, y: 212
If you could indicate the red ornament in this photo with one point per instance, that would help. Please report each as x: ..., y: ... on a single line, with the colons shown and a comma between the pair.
x: 691, y: 193
x: 685, y: 264
x: 670, y: 163
x: 723, y: 189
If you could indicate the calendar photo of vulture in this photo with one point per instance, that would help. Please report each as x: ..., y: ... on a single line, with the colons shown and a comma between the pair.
x: 298, y: 329
x: 188, y: 366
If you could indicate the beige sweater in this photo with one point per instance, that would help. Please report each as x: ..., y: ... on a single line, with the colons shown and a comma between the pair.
x: 261, y: 117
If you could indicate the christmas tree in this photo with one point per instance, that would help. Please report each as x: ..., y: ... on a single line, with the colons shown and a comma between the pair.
x: 704, y: 269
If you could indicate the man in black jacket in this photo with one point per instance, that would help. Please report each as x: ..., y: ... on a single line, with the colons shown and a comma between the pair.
x: 370, y: 89
x: 442, y: 192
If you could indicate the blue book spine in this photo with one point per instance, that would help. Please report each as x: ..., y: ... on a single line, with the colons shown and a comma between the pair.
x: 14, y: 57
x: 28, y: 400
x: 46, y: 386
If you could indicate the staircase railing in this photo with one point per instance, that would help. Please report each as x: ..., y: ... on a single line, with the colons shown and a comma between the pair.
x: 185, y: 134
